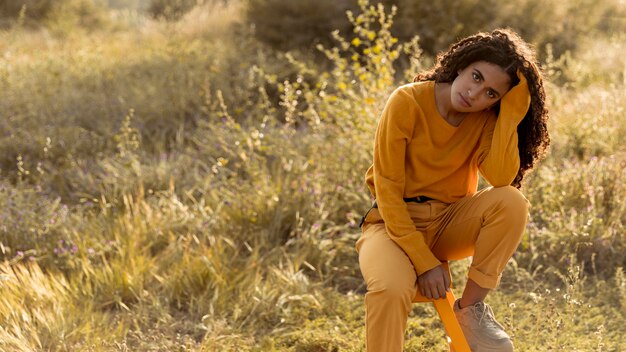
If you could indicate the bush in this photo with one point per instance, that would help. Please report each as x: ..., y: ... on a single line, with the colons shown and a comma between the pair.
x: 439, y: 23
x: 29, y: 10
x: 306, y: 21
x: 59, y: 14
x: 577, y: 20
x: 32, y: 224
x: 170, y: 10
x: 69, y: 15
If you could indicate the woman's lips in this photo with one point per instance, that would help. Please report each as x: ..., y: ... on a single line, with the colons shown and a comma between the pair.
x: 464, y: 102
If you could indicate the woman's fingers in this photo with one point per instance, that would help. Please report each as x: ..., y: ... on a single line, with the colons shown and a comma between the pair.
x: 434, y: 283
x: 429, y: 289
x: 427, y: 293
x: 437, y: 290
x: 422, y: 288
x: 446, y: 281
x: 442, y: 290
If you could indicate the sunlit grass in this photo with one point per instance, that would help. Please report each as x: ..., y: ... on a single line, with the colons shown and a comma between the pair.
x: 161, y: 192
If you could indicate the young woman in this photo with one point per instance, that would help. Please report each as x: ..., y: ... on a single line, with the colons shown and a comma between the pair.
x: 481, y: 108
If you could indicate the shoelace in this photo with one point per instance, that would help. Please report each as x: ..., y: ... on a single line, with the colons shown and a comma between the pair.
x: 482, y: 310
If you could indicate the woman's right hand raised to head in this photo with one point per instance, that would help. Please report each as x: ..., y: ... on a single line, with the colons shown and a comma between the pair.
x: 434, y: 283
x: 515, y: 103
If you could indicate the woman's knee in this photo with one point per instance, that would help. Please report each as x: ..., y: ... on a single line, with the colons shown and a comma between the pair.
x: 387, y: 270
x: 511, y: 199
x: 395, y: 279
x: 389, y: 292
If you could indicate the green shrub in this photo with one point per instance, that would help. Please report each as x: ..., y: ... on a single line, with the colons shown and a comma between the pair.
x: 440, y: 23
x: 170, y: 10
x: 302, y: 23
x: 60, y: 15
x: 28, y: 10
x: 578, y: 20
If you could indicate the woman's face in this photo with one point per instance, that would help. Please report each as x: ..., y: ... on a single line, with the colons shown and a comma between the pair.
x: 479, y: 86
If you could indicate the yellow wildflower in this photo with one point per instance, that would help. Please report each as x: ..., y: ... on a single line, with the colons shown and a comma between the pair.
x: 356, y: 42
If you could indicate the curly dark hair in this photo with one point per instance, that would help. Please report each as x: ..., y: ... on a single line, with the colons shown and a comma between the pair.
x: 508, y: 50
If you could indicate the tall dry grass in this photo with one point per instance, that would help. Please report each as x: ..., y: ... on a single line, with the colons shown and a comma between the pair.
x: 167, y: 188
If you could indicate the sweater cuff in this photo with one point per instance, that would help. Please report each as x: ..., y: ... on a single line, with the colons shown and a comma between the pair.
x: 420, y: 255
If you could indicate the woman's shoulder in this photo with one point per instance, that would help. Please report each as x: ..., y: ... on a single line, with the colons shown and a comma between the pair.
x: 417, y: 87
x: 418, y: 91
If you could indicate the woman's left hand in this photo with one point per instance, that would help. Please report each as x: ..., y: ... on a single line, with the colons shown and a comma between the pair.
x: 434, y: 283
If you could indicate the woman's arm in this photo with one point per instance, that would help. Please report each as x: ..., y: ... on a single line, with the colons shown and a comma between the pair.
x: 394, y: 133
x: 498, y: 159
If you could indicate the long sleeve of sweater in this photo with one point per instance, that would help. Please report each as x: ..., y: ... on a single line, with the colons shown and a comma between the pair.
x: 394, y: 133
x: 498, y: 157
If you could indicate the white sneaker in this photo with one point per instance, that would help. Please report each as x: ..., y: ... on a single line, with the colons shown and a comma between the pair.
x: 482, y: 331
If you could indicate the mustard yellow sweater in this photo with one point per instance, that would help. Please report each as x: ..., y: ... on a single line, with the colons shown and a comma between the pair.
x: 418, y: 153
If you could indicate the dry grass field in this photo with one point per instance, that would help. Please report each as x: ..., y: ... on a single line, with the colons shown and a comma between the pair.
x: 180, y: 186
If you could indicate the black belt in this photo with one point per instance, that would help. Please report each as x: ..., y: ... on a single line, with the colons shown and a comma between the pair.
x: 418, y: 199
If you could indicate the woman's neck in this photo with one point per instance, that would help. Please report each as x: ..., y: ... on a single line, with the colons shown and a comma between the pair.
x: 443, y: 101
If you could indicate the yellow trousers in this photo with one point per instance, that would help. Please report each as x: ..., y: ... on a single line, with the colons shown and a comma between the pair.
x: 487, y: 225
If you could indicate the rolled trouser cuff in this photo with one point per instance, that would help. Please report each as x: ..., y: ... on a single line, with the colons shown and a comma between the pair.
x: 484, y: 280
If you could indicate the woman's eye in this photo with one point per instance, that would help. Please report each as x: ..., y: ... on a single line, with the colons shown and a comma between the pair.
x: 491, y: 94
x: 475, y: 76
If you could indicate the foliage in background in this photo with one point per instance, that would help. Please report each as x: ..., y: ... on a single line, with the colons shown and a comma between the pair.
x: 307, y: 22
x: 62, y: 16
x: 90, y: 85
x: 24, y: 9
x: 171, y: 10
x: 178, y: 186
x: 440, y: 23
